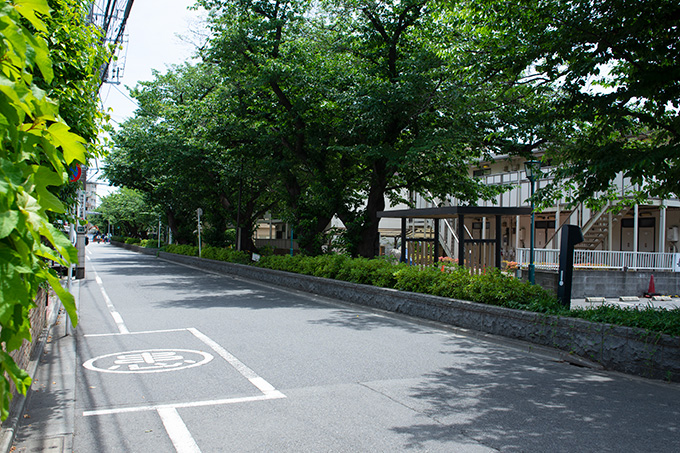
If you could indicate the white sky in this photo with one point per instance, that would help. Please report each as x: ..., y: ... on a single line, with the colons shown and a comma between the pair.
x: 152, y: 30
x: 152, y: 43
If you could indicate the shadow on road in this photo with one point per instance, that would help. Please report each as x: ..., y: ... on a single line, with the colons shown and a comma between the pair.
x: 510, y: 403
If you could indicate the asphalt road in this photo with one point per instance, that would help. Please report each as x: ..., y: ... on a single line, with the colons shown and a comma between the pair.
x: 170, y: 358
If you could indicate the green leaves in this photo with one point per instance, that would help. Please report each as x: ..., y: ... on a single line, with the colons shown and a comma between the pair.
x: 29, y: 8
x: 70, y: 143
x: 603, y: 82
x: 35, y: 147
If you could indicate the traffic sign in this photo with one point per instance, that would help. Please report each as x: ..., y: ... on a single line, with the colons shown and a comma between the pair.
x: 74, y: 172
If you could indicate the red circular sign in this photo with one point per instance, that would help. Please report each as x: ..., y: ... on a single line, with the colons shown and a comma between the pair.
x: 74, y: 172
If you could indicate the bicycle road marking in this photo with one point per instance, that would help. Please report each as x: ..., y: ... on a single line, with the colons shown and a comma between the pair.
x: 148, y: 361
x: 269, y: 392
x: 155, y: 360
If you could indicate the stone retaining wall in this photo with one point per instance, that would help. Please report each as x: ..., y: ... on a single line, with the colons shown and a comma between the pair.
x: 613, y: 347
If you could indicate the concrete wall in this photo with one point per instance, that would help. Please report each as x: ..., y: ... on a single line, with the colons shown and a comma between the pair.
x: 594, y: 283
x: 616, y: 348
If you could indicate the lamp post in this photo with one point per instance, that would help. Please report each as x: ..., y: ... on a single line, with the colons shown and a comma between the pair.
x: 533, y: 171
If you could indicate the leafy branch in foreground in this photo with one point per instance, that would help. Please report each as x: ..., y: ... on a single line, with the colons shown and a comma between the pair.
x: 36, y: 146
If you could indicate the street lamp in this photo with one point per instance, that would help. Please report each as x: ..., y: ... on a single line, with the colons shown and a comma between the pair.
x: 533, y: 171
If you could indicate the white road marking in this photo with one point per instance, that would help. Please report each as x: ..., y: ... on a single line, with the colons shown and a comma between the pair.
x: 179, y: 434
x: 148, y: 361
x: 220, y: 402
x: 134, y: 333
x: 264, y: 386
x: 117, y: 318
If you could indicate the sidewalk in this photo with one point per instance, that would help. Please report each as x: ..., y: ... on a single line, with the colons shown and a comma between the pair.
x: 44, y: 420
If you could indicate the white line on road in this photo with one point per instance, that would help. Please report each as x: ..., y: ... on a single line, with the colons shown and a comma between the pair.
x: 179, y: 434
x: 126, y: 410
x: 114, y: 313
x: 144, y: 332
x: 264, y: 386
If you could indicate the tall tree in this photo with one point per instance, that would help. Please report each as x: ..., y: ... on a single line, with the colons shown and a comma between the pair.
x: 128, y: 212
x: 362, y: 103
x: 187, y: 149
x: 614, y: 65
x: 411, y: 121
x: 271, y: 54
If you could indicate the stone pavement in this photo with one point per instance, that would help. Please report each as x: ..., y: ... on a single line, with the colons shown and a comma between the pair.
x: 44, y: 420
x: 628, y: 302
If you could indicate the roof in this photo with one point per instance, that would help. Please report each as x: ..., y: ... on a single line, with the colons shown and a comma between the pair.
x: 452, y: 211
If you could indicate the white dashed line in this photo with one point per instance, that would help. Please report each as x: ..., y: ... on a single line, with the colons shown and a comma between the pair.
x: 117, y: 318
x: 179, y: 434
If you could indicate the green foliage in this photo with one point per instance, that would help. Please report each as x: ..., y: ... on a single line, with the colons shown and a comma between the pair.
x: 128, y: 211
x: 149, y: 243
x: 595, y: 85
x: 182, y: 249
x: 648, y: 318
x: 225, y: 254
x: 36, y: 146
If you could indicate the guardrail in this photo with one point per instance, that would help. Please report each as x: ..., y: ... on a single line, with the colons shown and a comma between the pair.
x: 600, y: 259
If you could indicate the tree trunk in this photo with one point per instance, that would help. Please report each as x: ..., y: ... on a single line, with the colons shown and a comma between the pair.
x: 369, y: 246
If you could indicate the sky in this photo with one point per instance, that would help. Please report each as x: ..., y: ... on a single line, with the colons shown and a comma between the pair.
x: 152, y: 30
x: 153, y: 42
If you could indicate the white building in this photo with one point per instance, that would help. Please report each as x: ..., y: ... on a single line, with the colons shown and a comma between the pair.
x: 638, y: 230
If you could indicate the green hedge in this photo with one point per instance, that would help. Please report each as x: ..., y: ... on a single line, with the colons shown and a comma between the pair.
x: 456, y: 282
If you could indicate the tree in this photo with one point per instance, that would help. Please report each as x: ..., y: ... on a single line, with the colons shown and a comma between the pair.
x: 411, y: 122
x: 614, y: 68
x: 128, y: 212
x: 186, y: 148
x: 36, y: 146
x: 361, y: 103
x: 276, y: 64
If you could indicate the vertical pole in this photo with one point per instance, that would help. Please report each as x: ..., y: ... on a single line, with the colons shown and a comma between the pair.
x: 402, y: 259
x: 461, y: 240
x: 636, y: 226
x: 555, y: 241
x: 662, y: 227
x: 532, y: 268
x: 159, y: 231
x: 436, y: 241
x: 238, y: 212
x: 292, y: 234
x: 610, y: 231
x: 198, y: 212
x: 498, y: 242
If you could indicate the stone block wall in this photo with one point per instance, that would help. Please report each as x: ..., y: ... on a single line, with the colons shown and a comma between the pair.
x: 616, y: 348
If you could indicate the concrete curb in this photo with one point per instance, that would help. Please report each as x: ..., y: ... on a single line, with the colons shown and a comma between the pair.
x: 18, y: 407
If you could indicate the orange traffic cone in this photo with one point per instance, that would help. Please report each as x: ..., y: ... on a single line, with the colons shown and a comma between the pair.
x: 651, y: 291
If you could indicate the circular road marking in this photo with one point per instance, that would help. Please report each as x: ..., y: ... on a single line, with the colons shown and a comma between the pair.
x: 148, y: 361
